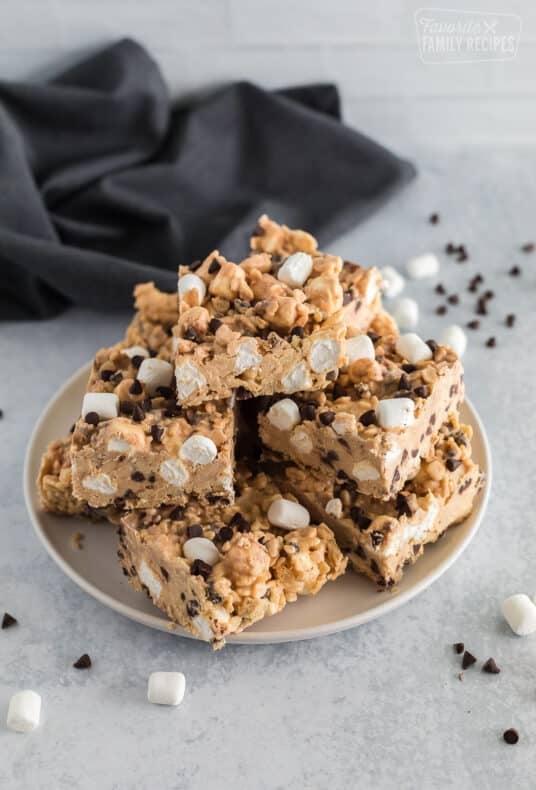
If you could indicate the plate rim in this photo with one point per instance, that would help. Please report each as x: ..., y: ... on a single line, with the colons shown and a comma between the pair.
x: 390, y: 604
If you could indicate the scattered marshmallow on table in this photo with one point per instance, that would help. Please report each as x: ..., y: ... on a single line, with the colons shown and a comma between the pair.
x: 359, y: 347
x: 166, y: 688
x: 395, y: 412
x: 295, y: 269
x: 154, y: 373
x: 288, y: 515
x: 392, y: 282
x: 406, y: 313
x: 455, y: 337
x: 421, y: 266
x: 413, y: 348
x: 520, y: 614
x: 105, y: 404
x: 24, y: 711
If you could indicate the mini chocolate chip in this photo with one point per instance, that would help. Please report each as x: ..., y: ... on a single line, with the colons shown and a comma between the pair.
x: 84, y: 662
x: 106, y: 375
x: 138, y: 477
x: 258, y: 230
x: 360, y: 551
x: 117, y: 377
x: 374, y: 567
x: 214, y: 325
x: 157, y: 432
x: 347, y: 297
x: 459, y: 647
x: 177, y: 514
x: 326, y: 417
x: 92, y: 418
x: 491, y: 667
x: 528, y: 247
x: 433, y: 219
x: 332, y: 375
x: 374, y: 336
x: 515, y: 271
x: 164, y: 573
x: 376, y: 537
x: 489, y: 295
x: 453, y: 299
x: 146, y: 404
x: 359, y: 516
x: 297, y: 331
x: 214, y: 266
x: 432, y: 345
x: 200, y: 568
x: 452, y: 464
x: 136, y: 387
x: 481, y: 308
x: 164, y: 392
x: 191, y: 334
x: 402, y: 505
x: 440, y: 289
x: 473, y: 324
x: 510, y: 320
x: 193, y: 607
x: 194, y: 531
x: 468, y: 660
x: 331, y: 456
x: 138, y: 414
x: 409, y: 368
x: 8, y: 620
x: 126, y: 406
x: 136, y: 360
x: 441, y: 310
x: 240, y: 523
x: 368, y: 418
x: 423, y: 391
x: 307, y: 411
x: 243, y: 394
x: 404, y: 382
x: 511, y: 736
x: 195, y: 265
x: 225, y: 534
x: 491, y: 342
x: 152, y: 478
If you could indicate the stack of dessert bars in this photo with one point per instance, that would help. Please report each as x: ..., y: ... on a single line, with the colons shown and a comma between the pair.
x: 262, y: 430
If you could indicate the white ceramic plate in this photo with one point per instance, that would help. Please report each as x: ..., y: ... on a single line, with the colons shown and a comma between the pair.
x: 350, y: 601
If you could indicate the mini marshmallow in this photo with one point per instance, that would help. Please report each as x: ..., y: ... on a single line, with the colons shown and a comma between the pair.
x: 190, y: 282
x: 363, y: 470
x: 296, y: 269
x: 174, y: 473
x: 301, y: 442
x: 101, y: 484
x: 201, y: 549
x: 455, y: 337
x: 150, y: 580
x: 154, y: 373
x: 288, y: 515
x: 413, y: 348
x: 166, y: 688
x: 395, y: 412
x: 520, y: 614
x: 334, y: 507
x: 284, y: 414
x: 392, y: 282
x: 24, y: 711
x: 359, y: 347
x: 297, y: 379
x: 105, y: 404
x: 421, y: 266
x: 118, y: 446
x: 406, y: 313
x: 198, y: 450
x: 136, y: 351
x: 246, y: 356
x: 324, y: 355
x: 189, y: 379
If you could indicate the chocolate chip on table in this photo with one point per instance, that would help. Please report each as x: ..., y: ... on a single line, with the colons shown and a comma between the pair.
x: 136, y: 387
x: 433, y: 219
x: 138, y: 477
x: 177, y: 514
x: 491, y: 342
x: 452, y: 464
x: 8, y: 620
x: 214, y: 266
x: 481, y: 308
x: 491, y: 667
x: 459, y: 647
x: 473, y: 324
x: 511, y: 736
x: 440, y: 289
x: 92, y: 418
x: 368, y: 418
x: 441, y: 310
x: 84, y: 662
x: 200, y: 568
x: 326, y: 417
x: 194, y: 531
x: 453, y: 299
x: 510, y: 320
x: 528, y: 247
x: 157, y: 432
x: 468, y: 660
x: 214, y: 324
x: 515, y: 271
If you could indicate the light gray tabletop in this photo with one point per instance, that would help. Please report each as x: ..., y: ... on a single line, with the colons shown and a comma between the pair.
x: 380, y: 706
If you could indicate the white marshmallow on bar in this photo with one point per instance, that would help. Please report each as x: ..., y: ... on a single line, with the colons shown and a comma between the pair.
x: 421, y: 266
x: 301, y: 442
x: 395, y: 412
x: 24, y: 711
x: 166, y: 688
x: 201, y: 549
x: 191, y: 282
x: 105, y: 404
x: 455, y: 337
x: 406, y: 313
x: 174, y: 473
x: 189, y: 379
x: 520, y: 614
x: 359, y: 347
x: 288, y: 515
x: 116, y: 445
x: 334, y: 507
x: 136, y: 351
x: 297, y: 379
x: 100, y: 483
x: 413, y: 348
x: 296, y: 269
x: 198, y: 450
x: 154, y: 373
x: 392, y: 282
x: 246, y: 356
x: 284, y: 415
x: 324, y: 355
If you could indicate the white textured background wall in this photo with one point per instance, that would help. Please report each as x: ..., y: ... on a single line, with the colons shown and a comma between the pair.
x: 368, y: 47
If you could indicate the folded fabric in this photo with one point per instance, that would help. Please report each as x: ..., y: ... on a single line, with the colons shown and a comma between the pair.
x: 105, y: 183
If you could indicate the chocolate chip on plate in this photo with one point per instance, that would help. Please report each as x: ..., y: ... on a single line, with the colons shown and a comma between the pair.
x: 468, y: 660
x: 491, y: 667
x: 84, y: 662
x: 8, y: 620
x: 459, y: 647
x: 511, y: 736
